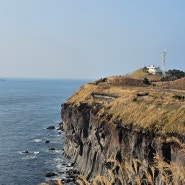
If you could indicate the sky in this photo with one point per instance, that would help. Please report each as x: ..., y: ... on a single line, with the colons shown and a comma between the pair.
x: 89, y: 39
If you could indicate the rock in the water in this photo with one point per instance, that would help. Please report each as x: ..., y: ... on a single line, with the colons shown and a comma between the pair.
x: 52, y: 148
x: 70, y: 164
x: 47, y: 141
x: 50, y: 127
x: 50, y: 174
x: 25, y: 152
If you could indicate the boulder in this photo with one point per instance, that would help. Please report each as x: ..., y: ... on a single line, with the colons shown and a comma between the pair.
x: 52, y: 148
x: 25, y: 152
x: 50, y: 127
x: 50, y: 174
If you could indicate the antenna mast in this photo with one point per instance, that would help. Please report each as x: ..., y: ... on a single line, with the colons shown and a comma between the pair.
x: 164, y: 63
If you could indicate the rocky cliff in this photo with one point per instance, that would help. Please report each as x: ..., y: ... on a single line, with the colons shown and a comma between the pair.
x: 112, y: 121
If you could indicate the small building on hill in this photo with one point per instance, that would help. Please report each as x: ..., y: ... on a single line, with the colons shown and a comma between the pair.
x: 153, y: 69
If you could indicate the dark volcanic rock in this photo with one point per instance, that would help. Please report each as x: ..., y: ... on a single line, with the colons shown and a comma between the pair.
x: 25, y: 152
x: 89, y: 142
x: 50, y: 127
x: 70, y: 164
x: 47, y: 141
x: 52, y: 148
x: 50, y: 174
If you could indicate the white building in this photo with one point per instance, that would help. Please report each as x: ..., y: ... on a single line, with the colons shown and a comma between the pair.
x: 153, y: 69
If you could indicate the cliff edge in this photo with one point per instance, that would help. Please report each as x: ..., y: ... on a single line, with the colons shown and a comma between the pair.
x: 120, y: 123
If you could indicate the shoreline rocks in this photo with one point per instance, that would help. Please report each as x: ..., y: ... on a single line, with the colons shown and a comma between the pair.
x: 51, y: 128
x: 53, y: 177
x: 50, y: 174
x: 67, y: 176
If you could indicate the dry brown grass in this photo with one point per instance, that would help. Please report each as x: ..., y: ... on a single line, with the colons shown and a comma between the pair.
x: 135, y: 172
x: 157, y: 111
x: 140, y: 74
x: 82, y: 180
x: 101, y: 180
x: 58, y: 182
x: 173, y: 173
x: 125, y: 81
x: 176, y: 84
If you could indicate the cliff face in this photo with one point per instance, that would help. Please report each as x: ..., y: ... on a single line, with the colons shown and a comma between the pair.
x: 91, y: 141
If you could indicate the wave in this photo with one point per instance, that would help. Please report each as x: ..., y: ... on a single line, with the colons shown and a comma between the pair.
x: 37, y: 140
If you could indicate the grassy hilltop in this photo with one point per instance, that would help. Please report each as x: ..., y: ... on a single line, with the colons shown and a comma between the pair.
x: 140, y: 74
x: 159, y: 107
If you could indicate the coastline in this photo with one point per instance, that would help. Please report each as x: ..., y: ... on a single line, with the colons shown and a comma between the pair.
x: 94, y: 136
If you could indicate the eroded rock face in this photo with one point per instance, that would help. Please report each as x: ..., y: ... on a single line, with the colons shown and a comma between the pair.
x: 90, y: 142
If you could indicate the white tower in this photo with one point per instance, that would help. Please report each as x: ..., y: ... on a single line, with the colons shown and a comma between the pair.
x: 163, y: 55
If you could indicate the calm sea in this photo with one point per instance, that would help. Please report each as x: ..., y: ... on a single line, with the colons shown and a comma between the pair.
x: 27, y: 108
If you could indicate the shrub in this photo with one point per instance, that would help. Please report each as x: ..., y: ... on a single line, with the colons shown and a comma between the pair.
x: 146, y: 81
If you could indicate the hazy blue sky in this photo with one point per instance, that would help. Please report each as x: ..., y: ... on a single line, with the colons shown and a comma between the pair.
x: 89, y: 38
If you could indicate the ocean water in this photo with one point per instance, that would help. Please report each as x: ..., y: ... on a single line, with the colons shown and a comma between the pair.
x: 27, y: 108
